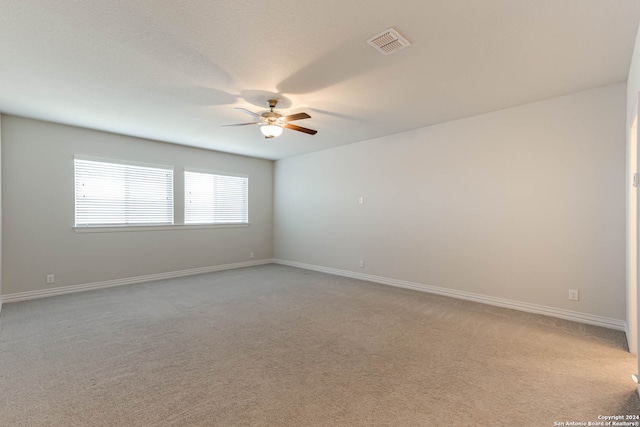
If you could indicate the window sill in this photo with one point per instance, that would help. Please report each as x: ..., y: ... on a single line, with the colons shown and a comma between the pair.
x: 121, y: 228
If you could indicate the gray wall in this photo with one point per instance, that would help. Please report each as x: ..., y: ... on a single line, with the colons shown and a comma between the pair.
x: 0, y: 211
x: 38, y: 200
x: 522, y: 204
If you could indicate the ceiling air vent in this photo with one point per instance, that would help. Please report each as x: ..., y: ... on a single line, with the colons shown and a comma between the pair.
x: 388, y: 41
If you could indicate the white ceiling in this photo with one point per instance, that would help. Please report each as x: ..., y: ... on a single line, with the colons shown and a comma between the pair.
x: 174, y: 70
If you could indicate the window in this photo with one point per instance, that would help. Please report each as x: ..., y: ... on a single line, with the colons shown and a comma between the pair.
x: 114, y: 194
x: 215, y: 199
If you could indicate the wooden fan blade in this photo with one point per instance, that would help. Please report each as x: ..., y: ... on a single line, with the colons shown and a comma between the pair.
x: 241, y: 124
x: 301, y: 129
x: 248, y: 112
x: 298, y: 116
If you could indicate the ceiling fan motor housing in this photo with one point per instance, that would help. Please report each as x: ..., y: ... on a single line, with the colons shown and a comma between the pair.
x: 271, y: 116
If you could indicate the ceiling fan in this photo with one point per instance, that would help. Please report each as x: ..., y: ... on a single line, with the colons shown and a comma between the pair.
x: 272, y: 123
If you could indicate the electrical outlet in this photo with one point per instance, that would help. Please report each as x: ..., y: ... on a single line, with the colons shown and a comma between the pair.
x: 51, y: 278
x: 251, y: 255
x: 574, y: 294
x: 361, y: 200
x: 361, y: 263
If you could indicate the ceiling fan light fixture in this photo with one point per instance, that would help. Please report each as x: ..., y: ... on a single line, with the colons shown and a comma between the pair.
x: 271, y: 131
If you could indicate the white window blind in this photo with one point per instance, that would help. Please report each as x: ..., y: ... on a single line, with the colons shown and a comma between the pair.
x: 114, y: 194
x: 216, y: 199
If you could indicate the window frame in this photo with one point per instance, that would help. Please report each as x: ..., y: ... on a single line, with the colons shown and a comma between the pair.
x: 215, y: 173
x: 179, y: 199
x: 118, y: 162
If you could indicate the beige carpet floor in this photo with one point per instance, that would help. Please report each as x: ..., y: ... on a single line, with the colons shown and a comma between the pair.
x: 280, y: 346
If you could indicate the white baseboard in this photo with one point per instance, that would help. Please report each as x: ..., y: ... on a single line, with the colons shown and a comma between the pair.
x: 43, y: 293
x: 484, y: 299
